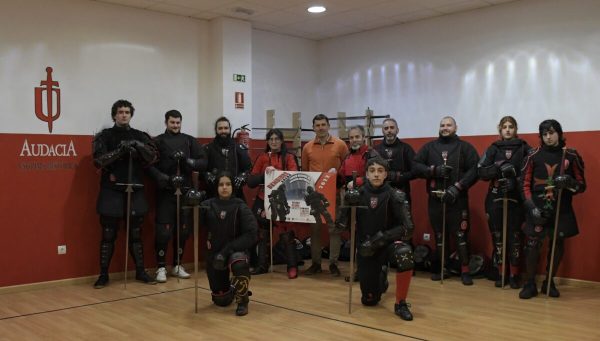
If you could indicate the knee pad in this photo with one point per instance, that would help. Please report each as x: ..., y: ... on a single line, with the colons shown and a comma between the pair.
x: 369, y: 299
x: 461, y: 237
x: 464, y: 221
x: 438, y: 239
x: 163, y: 233
x: 109, y: 228
x: 222, y: 299
x: 238, y: 263
x: 533, y: 243
x: 402, y: 257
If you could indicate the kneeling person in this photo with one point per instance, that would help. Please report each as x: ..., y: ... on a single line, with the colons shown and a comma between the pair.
x: 232, y: 231
x: 383, y: 230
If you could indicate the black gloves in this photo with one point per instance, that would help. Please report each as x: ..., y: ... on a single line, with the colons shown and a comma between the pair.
x: 442, y: 171
x: 240, y: 180
x: 451, y: 194
x: 352, y: 197
x: 507, y: 170
x: 538, y: 217
x: 566, y: 182
x: 194, y: 197
x: 371, y: 245
x: 506, y: 185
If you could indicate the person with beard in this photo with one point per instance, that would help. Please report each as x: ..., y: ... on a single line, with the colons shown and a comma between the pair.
x: 275, y: 157
x: 115, y: 150
x: 501, y: 166
x: 550, y: 171
x: 449, y: 166
x: 179, y: 155
x: 324, y: 153
x: 231, y: 228
x: 383, y: 230
x: 356, y: 160
x: 223, y: 154
x: 399, y: 156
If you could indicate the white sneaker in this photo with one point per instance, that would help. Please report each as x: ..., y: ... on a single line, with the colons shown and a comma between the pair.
x: 161, y: 275
x: 179, y: 271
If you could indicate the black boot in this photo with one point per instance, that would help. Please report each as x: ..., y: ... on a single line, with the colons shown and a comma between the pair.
x: 102, y: 281
x: 553, y: 291
x: 529, y: 290
x: 499, y: 283
x: 242, y: 307
x: 515, y: 281
x: 401, y: 309
x: 142, y: 276
x: 466, y: 279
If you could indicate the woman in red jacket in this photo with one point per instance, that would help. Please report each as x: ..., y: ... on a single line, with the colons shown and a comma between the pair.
x: 275, y: 157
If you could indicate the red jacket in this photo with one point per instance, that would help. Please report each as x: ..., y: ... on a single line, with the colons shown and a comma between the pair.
x: 355, y: 161
x: 257, y: 176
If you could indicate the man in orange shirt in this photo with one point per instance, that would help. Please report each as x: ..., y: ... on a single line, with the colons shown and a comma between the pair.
x: 323, y: 154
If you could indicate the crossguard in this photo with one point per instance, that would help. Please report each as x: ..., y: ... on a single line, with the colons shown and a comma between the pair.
x: 438, y: 193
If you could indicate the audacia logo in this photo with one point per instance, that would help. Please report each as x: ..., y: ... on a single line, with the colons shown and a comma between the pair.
x: 49, y: 92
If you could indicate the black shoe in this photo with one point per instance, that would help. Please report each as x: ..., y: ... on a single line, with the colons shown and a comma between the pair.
x: 242, y: 309
x: 101, y: 282
x: 334, y: 270
x: 529, y: 290
x: 515, y: 282
x: 553, y: 291
x: 315, y: 268
x: 401, y: 309
x: 259, y: 270
x: 143, y: 277
x: 466, y: 279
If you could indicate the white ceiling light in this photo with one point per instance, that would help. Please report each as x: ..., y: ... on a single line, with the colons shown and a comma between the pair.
x: 317, y: 9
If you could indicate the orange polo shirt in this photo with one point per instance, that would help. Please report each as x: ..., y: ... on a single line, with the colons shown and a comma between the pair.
x: 317, y: 157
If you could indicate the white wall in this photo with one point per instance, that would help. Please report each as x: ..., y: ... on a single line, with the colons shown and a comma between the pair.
x: 284, y: 78
x: 100, y: 53
x: 532, y: 59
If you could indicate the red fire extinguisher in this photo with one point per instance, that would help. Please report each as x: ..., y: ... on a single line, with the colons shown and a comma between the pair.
x: 243, y: 135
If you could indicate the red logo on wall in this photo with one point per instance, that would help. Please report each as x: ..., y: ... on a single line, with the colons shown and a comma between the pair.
x: 239, y: 100
x: 47, y: 91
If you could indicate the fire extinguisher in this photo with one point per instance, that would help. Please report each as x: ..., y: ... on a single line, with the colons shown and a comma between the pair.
x: 243, y: 135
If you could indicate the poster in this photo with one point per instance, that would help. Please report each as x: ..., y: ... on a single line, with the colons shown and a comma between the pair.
x: 300, y: 197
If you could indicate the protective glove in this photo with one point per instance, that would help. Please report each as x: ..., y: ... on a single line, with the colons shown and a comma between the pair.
x: 442, y: 171
x: 507, y: 170
x: 451, y: 194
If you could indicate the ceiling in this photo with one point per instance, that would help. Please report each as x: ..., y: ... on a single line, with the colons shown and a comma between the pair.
x: 290, y: 16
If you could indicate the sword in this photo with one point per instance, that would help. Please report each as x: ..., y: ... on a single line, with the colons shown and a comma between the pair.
x: 129, y: 189
x: 196, y: 211
x: 504, y: 231
x: 445, y: 157
x: 178, y: 217
x: 271, y: 229
x: 551, y: 265
x: 352, y: 246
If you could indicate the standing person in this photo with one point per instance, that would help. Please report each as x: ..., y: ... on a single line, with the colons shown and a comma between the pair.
x: 231, y: 232
x: 549, y: 171
x: 179, y: 155
x: 501, y: 166
x: 275, y: 157
x: 223, y: 154
x: 112, y: 150
x: 383, y: 230
x: 356, y: 159
x: 324, y: 153
x: 450, y: 166
x: 399, y: 155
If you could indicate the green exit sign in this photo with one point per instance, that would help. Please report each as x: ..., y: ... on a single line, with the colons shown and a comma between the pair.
x: 239, y: 78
